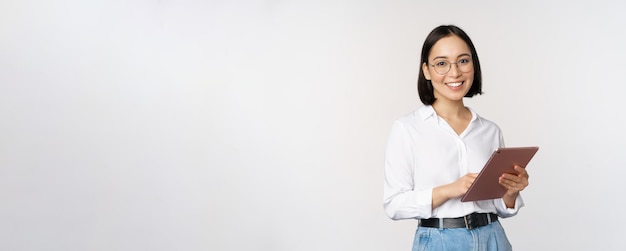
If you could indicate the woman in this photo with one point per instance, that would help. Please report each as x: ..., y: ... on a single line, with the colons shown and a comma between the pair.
x: 434, y: 154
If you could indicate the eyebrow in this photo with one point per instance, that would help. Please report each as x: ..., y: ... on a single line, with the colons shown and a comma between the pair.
x: 461, y: 55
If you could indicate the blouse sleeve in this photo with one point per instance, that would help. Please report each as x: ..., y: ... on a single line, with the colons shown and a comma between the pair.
x: 505, y: 212
x: 400, y: 200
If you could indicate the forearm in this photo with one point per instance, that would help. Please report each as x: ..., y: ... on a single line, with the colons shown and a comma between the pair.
x: 509, y: 200
x: 440, y: 195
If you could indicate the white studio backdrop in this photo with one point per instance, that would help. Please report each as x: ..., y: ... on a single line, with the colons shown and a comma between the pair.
x: 261, y: 125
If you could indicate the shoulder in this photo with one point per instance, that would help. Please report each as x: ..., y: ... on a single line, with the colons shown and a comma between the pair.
x: 416, y: 116
x: 484, y: 122
x: 414, y: 122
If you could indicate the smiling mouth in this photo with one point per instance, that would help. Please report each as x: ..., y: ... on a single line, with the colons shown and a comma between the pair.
x: 455, y: 84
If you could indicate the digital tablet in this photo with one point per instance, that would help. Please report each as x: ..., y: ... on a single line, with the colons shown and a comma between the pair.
x: 502, y: 160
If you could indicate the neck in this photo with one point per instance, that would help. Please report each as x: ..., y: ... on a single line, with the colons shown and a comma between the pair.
x: 450, y: 109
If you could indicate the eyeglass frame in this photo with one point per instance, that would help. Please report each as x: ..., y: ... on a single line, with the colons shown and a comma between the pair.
x: 471, y: 61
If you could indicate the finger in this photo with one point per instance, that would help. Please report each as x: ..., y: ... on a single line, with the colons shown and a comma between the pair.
x: 511, y: 183
x: 516, y: 181
x: 513, y: 188
x: 510, y: 176
x: 520, y: 170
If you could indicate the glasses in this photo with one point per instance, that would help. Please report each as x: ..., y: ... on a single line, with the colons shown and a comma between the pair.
x: 464, y: 65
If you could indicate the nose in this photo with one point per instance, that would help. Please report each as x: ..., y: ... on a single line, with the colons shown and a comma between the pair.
x: 454, y: 70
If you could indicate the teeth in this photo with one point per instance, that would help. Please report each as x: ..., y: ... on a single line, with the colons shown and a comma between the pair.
x: 454, y: 84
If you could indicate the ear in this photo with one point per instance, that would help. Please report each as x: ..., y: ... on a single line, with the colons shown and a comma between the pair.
x: 425, y: 70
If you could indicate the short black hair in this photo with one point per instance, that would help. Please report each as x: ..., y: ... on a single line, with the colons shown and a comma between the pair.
x: 424, y: 86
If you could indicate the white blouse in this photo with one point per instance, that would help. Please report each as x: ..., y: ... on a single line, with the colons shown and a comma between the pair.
x: 423, y: 152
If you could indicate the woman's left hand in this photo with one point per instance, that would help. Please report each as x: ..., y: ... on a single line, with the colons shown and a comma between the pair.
x: 513, y: 184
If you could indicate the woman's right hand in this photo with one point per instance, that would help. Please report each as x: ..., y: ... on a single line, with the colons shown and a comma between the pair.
x: 455, y: 189
x: 460, y: 186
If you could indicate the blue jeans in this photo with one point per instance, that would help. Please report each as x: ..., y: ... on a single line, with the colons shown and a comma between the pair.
x: 486, y: 238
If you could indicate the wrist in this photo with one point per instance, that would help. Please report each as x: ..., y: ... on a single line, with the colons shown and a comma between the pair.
x: 509, y: 199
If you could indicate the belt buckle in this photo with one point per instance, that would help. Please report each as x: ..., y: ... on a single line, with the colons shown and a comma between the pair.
x: 469, y: 222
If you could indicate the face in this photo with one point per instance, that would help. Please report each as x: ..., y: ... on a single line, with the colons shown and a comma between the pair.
x: 454, y: 84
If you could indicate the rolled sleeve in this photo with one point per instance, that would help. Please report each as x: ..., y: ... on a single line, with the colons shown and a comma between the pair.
x: 505, y: 212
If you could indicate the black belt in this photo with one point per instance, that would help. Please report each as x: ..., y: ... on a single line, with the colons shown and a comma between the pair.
x: 470, y: 221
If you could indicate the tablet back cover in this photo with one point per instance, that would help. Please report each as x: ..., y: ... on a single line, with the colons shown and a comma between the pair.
x: 502, y: 160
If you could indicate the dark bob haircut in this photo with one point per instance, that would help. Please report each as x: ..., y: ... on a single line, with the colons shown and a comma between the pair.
x: 424, y: 86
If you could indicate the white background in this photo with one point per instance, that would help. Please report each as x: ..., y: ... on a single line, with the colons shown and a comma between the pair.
x: 261, y: 125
